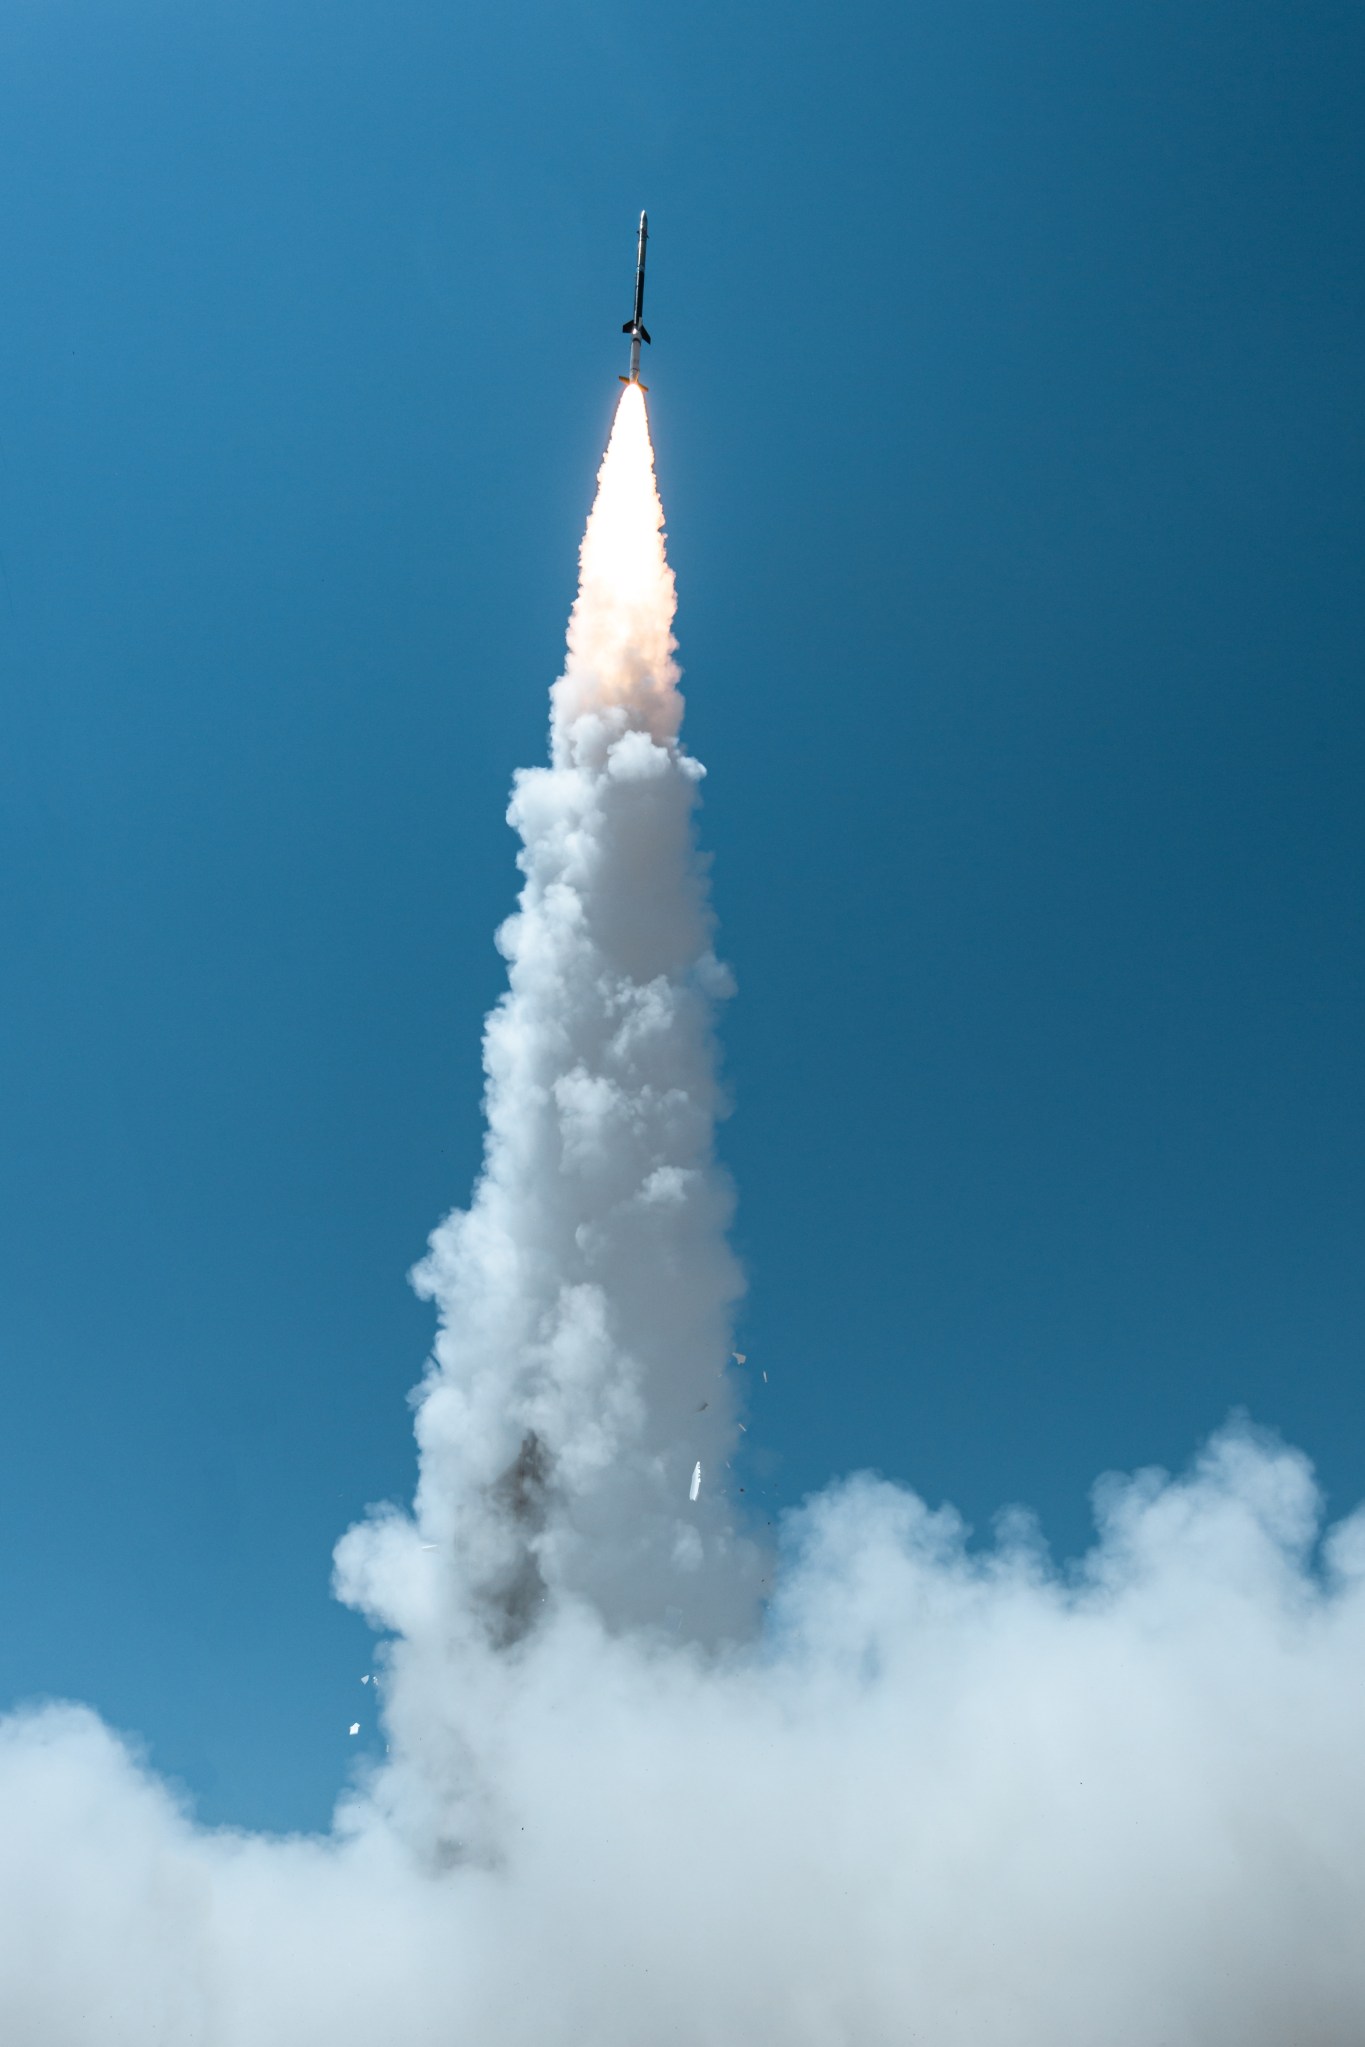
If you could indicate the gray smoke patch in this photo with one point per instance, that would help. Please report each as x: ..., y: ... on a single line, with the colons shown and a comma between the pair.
x: 519, y: 1500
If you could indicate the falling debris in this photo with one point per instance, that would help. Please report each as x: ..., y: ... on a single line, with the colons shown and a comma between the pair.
x: 740, y: 1358
x: 695, y: 1486
x: 742, y: 1430
x: 702, y: 1406
x: 429, y: 1545
x: 365, y: 1680
x: 765, y: 1378
x: 355, y: 1727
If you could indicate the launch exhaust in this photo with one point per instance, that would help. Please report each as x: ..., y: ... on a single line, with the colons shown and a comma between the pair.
x: 641, y: 1777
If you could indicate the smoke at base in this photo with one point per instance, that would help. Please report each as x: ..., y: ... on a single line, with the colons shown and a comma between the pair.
x: 926, y: 1794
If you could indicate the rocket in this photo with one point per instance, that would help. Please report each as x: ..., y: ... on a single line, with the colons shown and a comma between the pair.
x: 635, y: 325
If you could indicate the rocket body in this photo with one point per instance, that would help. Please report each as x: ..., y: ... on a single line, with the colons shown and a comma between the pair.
x: 635, y: 325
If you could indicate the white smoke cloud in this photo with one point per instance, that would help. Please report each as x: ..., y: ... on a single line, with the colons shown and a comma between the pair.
x: 647, y: 1783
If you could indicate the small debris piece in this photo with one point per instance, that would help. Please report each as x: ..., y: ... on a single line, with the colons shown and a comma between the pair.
x: 765, y: 1378
x: 742, y: 1430
x: 739, y: 1357
x: 355, y: 1727
x: 426, y: 1545
x: 695, y: 1486
x: 702, y: 1406
x: 365, y: 1680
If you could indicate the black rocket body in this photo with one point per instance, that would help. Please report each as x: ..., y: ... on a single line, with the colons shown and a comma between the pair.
x: 635, y: 325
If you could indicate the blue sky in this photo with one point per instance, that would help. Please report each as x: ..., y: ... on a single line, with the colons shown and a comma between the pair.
x: 1005, y: 392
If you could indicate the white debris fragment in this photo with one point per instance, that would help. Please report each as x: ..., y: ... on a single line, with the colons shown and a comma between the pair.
x: 355, y: 1727
x: 765, y: 1378
x: 365, y: 1680
x: 739, y: 1357
x: 695, y: 1486
x: 426, y: 1545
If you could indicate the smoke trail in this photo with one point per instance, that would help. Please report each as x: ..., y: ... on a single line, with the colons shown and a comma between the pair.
x: 584, y: 1296
x: 933, y: 1794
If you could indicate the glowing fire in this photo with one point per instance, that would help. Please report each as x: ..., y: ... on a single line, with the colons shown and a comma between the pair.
x: 620, y: 633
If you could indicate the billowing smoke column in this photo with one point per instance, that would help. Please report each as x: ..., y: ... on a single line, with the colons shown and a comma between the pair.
x: 579, y: 1372
x: 932, y: 1793
x: 584, y: 1297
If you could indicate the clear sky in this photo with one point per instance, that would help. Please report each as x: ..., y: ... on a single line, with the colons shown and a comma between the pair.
x: 1005, y: 387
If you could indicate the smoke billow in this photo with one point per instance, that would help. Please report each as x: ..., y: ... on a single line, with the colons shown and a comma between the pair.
x: 645, y: 1782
